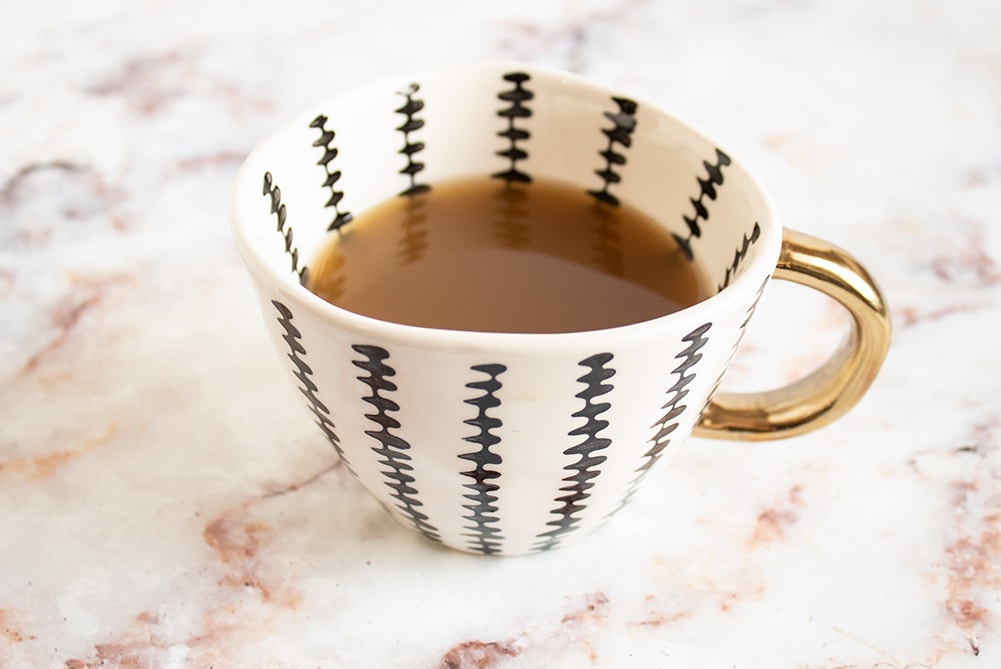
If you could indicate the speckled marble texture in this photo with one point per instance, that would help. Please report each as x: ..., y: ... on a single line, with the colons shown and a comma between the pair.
x: 165, y: 502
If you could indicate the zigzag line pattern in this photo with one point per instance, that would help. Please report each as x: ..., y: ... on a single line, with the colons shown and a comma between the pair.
x: 326, y: 140
x: 410, y: 148
x: 485, y: 538
x: 586, y: 467
x: 303, y: 373
x: 623, y: 125
x: 281, y: 213
x: 736, y: 344
x: 707, y: 189
x: 674, y: 408
x: 739, y: 255
x: 517, y: 96
x: 392, y: 448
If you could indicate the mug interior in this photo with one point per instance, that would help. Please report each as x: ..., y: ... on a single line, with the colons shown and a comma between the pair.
x: 508, y: 121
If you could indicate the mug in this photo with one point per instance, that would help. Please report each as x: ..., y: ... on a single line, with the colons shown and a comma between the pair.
x: 513, y: 443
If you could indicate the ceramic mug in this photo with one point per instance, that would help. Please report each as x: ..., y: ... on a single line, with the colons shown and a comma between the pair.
x: 504, y: 444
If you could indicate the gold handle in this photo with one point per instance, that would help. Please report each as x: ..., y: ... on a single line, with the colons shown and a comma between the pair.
x: 835, y: 387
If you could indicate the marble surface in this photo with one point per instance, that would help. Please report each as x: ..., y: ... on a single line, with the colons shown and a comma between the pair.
x: 166, y: 502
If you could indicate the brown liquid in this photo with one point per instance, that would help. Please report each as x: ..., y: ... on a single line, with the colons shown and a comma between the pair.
x: 478, y: 254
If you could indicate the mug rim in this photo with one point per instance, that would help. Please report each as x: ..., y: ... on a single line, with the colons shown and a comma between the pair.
x: 750, y: 279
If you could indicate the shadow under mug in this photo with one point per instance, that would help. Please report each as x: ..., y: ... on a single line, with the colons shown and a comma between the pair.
x: 505, y: 444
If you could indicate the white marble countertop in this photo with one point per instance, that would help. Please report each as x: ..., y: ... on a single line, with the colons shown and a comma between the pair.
x: 164, y: 502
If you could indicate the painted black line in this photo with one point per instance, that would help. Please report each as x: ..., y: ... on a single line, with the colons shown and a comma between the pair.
x: 391, y: 447
x: 517, y: 96
x: 485, y: 538
x: 620, y: 134
x: 587, y: 466
x: 707, y: 189
x: 326, y: 140
x: 302, y: 371
x: 278, y: 208
x: 411, y: 149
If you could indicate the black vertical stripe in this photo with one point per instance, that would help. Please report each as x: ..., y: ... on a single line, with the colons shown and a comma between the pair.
x: 411, y: 147
x: 391, y: 447
x: 485, y: 538
x: 675, y: 406
x: 280, y: 211
x: 332, y: 176
x: 740, y: 336
x: 303, y: 373
x: 739, y: 254
x: 619, y: 138
x: 587, y: 466
x: 516, y: 110
x: 707, y: 190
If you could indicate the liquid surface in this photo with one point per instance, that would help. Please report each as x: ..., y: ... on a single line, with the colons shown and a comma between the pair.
x: 478, y: 254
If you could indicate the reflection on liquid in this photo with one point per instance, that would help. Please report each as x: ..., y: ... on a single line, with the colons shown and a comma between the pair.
x: 413, y: 232
x: 511, y: 200
x: 608, y: 242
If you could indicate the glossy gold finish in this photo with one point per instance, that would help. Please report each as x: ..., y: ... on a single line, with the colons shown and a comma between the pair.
x: 835, y: 387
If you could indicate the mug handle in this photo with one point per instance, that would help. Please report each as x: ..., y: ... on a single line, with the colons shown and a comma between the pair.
x: 830, y: 391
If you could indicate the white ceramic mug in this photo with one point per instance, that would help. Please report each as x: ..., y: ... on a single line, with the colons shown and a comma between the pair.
x: 505, y: 444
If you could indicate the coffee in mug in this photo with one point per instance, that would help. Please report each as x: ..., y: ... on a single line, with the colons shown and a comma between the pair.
x: 481, y: 254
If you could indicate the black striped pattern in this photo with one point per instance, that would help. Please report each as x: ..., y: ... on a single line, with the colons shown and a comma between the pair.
x: 674, y: 407
x: 707, y: 189
x: 391, y: 448
x: 326, y: 141
x: 482, y: 479
x: 278, y: 208
x: 411, y: 148
x: 740, y: 336
x: 739, y: 254
x: 517, y: 96
x: 586, y: 467
x: 303, y: 373
x: 485, y: 538
x: 619, y: 135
